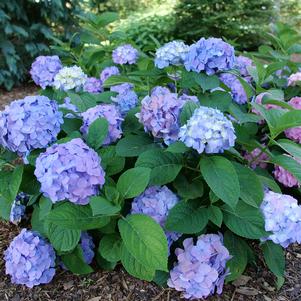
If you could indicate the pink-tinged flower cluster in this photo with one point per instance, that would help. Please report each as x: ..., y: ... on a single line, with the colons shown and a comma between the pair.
x: 285, y: 177
x: 125, y: 54
x: 87, y: 245
x: 108, y: 72
x: 201, y: 267
x: 294, y: 133
x: 70, y: 171
x: 282, y: 217
x: 111, y: 114
x: 256, y: 158
x: 210, y: 55
x: 44, y: 69
x: 160, y: 114
x: 29, y: 123
x: 294, y: 79
x: 29, y: 259
x: 156, y: 202
x: 93, y: 85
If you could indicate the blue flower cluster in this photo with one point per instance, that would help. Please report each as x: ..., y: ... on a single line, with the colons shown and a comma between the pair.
x: 87, y: 245
x: 18, y: 208
x: 125, y: 54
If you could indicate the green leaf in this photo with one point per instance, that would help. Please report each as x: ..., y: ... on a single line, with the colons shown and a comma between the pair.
x: 134, y: 145
x: 145, y: 240
x: 106, y: 18
x: 274, y: 257
x: 189, y: 190
x: 70, y: 216
x: 238, y: 249
x: 63, y: 240
x: 82, y: 103
x: 215, y: 215
x: 290, y: 164
x: 135, y: 267
x: 71, y: 125
x: 111, y: 162
x: 220, y: 100
x: 110, y: 247
x: 75, y: 262
x: 185, y: 218
x: 291, y: 147
x: 164, y: 166
x: 177, y: 147
x: 220, y: 175
x: 161, y: 278
x: 207, y: 82
x: 133, y: 182
x: 267, y: 180
x: 245, y: 221
x: 100, y: 205
x: 187, y: 111
x: 251, y: 191
x: 38, y: 224
x: 45, y: 205
x: 98, y: 131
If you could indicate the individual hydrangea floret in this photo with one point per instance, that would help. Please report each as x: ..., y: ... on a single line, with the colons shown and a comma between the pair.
x: 238, y: 92
x: 208, y: 130
x: 29, y: 123
x: 87, y: 245
x: 122, y: 88
x: 294, y: 133
x: 108, y: 72
x: 257, y: 158
x: 93, y: 85
x: 18, y: 208
x: 44, y: 69
x: 69, y: 171
x: 156, y: 202
x: 160, y: 113
x: 210, y: 55
x: 285, y: 177
x: 242, y: 63
x: 111, y: 114
x: 125, y: 54
x: 172, y: 53
x: 125, y: 101
x: 29, y: 259
x: 201, y: 267
x: 69, y: 78
x: 294, y: 79
x: 282, y: 217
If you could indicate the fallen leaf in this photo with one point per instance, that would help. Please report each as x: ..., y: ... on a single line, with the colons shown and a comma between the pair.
x: 248, y: 291
x: 241, y: 281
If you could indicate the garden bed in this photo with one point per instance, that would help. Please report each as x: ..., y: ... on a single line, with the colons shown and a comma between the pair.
x: 258, y: 284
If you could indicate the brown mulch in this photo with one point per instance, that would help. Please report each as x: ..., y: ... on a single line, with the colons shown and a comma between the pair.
x: 257, y: 284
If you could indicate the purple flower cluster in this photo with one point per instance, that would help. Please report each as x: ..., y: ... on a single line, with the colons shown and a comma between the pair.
x: 18, y: 208
x: 282, y: 217
x: 172, y: 53
x: 156, y: 202
x: 238, y: 92
x: 242, y: 63
x: 257, y: 158
x: 111, y: 114
x: 294, y: 79
x: 108, y: 72
x: 29, y: 259
x: 29, y: 123
x: 210, y: 55
x: 208, y: 130
x: 294, y: 133
x: 160, y: 113
x: 285, y: 177
x: 125, y: 54
x: 93, y: 85
x: 87, y: 245
x: 44, y: 69
x: 201, y: 267
x: 122, y: 88
x: 69, y: 171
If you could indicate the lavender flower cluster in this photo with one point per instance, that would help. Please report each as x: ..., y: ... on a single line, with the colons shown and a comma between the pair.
x: 256, y: 158
x: 285, y: 177
x: 125, y: 54
x: 108, y: 72
x: 29, y: 259
x: 208, y: 130
x: 87, y: 245
x: 172, y: 53
x: 294, y: 79
x: 44, y: 69
x: 156, y: 202
x: 111, y: 114
x: 18, y: 208
x: 29, y: 123
x: 282, y: 217
x: 93, y: 85
x: 69, y: 78
x: 201, y: 267
x: 210, y: 55
x: 69, y: 171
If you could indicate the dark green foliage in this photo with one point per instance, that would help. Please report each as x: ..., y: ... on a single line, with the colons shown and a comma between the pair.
x: 26, y: 27
x: 238, y: 20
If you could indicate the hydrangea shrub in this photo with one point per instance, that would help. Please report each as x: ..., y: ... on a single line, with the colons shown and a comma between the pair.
x: 169, y: 164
